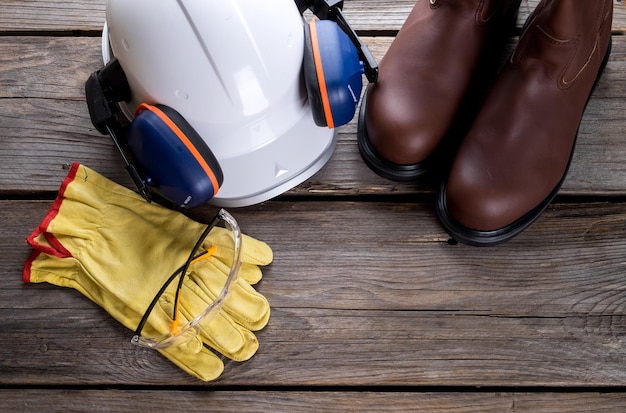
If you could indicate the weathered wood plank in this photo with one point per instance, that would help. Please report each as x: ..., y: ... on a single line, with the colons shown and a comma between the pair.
x: 364, y: 15
x: 573, y: 253
x: 95, y: 401
x: 46, y: 15
x: 304, y: 347
x: 44, y: 125
x: 47, y: 67
x: 364, y: 294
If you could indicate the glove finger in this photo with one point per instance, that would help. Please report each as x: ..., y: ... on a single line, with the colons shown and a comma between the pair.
x: 228, y: 338
x: 218, y: 330
x: 243, y: 303
x: 159, y: 323
x: 253, y: 251
x: 204, y: 365
x: 250, y: 272
x: 256, y: 252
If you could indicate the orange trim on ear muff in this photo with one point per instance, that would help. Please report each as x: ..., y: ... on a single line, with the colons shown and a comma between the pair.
x: 179, y: 133
x: 317, y: 58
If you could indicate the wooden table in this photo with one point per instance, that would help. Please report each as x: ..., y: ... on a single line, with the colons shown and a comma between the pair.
x: 372, y: 308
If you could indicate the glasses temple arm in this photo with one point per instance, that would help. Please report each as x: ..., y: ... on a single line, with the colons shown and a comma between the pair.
x: 189, y: 260
x: 183, y: 269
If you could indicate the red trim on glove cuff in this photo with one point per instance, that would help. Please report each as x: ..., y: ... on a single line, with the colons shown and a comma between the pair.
x: 56, y: 248
x: 28, y: 265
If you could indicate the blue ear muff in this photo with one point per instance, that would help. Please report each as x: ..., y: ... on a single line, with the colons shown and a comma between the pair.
x: 176, y: 162
x: 332, y: 71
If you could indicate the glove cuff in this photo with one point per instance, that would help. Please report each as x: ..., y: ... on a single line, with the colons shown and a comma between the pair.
x: 55, y: 247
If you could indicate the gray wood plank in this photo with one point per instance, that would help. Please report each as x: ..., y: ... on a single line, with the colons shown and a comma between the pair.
x: 365, y: 15
x: 301, y: 401
x: 363, y: 294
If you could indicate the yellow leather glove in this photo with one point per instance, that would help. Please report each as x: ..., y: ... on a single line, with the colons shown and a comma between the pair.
x: 116, y: 249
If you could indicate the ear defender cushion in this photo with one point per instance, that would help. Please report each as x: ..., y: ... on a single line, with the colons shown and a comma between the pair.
x: 333, y: 73
x: 176, y: 161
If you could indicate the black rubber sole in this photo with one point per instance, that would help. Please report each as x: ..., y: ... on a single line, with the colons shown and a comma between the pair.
x: 478, y: 238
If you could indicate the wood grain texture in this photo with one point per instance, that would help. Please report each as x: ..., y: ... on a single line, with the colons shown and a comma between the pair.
x: 300, y: 401
x: 78, y: 15
x: 393, y: 305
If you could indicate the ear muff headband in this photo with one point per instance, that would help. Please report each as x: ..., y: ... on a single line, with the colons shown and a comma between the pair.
x: 186, y: 139
x: 319, y: 72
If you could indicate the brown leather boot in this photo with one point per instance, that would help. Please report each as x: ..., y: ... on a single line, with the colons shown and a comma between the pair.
x: 423, y: 79
x: 515, y: 156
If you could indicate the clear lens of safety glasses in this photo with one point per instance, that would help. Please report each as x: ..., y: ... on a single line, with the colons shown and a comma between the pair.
x: 181, y: 310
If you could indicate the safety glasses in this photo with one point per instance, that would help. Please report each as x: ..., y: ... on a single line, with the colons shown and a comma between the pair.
x: 189, y: 310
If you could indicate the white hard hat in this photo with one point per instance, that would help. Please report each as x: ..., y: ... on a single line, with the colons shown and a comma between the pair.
x: 233, y: 70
